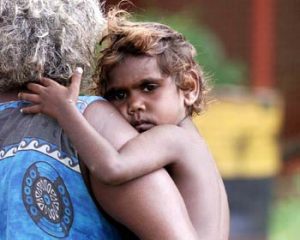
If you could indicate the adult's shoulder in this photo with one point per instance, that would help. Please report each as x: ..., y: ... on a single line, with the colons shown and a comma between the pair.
x: 96, y: 108
x: 83, y: 102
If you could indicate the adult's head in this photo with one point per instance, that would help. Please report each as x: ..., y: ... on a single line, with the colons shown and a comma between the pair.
x: 46, y: 38
x: 174, y: 54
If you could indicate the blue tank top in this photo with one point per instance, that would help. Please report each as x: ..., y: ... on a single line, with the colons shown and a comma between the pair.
x: 43, y: 194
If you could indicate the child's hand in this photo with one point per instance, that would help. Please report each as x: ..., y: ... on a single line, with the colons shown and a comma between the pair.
x: 51, y: 98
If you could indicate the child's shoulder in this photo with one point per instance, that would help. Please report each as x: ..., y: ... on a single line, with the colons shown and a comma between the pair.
x: 171, y: 135
x: 179, y: 132
x: 186, y: 137
x: 168, y: 129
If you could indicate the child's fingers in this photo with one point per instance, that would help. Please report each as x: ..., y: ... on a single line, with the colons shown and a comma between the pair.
x: 30, y: 97
x: 35, y: 87
x: 76, y: 81
x: 31, y: 109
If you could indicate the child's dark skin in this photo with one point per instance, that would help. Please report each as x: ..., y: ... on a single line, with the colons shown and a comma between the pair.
x: 153, y: 216
x: 152, y: 103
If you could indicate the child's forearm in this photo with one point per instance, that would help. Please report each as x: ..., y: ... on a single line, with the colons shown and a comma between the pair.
x: 137, y: 157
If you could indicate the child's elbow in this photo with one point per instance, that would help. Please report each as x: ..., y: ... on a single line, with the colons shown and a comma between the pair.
x: 112, y: 180
x: 113, y: 175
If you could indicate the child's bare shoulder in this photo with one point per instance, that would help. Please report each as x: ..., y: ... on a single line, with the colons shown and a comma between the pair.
x: 180, y: 139
x: 185, y: 134
x: 170, y: 133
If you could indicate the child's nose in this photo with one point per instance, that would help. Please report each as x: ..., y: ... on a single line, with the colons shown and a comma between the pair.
x: 135, y: 104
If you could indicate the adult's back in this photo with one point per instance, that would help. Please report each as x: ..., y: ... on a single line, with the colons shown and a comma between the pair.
x: 43, y: 194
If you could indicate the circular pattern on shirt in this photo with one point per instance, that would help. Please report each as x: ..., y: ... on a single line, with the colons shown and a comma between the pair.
x: 47, y: 200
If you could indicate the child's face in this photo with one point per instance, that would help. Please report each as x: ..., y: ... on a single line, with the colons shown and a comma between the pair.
x: 143, y: 95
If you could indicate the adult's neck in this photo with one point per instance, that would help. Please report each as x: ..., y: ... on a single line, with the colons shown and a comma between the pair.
x: 9, y: 96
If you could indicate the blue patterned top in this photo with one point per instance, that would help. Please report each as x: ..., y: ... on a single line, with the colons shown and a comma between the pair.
x: 43, y: 194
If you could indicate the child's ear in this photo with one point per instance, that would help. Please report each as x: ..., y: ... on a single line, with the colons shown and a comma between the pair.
x: 191, y: 95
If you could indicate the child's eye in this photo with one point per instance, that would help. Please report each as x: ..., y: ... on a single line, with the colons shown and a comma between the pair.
x: 149, y: 87
x: 116, y: 96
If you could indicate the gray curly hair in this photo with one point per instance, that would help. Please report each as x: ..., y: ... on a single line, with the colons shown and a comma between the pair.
x: 47, y: 38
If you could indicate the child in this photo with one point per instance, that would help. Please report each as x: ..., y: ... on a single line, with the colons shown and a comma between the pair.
x: 148, y: 72
x: 43, y: 194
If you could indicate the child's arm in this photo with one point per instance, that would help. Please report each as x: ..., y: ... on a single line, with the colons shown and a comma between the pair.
x: 143, y: 154
x: 147, y: 205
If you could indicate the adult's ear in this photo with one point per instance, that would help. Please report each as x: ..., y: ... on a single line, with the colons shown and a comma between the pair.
x: 192, y: 92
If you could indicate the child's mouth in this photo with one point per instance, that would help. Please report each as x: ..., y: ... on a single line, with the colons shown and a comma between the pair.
x: 142, y: 126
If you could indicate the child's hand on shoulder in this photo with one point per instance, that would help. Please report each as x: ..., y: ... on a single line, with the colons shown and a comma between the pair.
x: 50, y: 97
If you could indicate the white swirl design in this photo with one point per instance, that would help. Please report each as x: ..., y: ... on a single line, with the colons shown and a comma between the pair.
x: 32, y: 144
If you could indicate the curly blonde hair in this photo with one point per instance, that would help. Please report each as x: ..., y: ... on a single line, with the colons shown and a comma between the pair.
x: 47, y: 37
x: 175, y: 55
